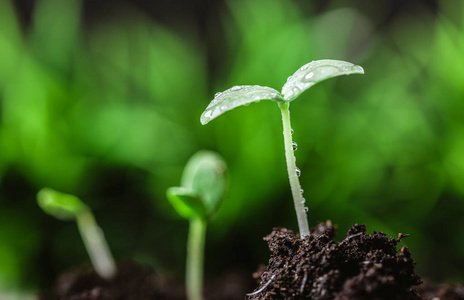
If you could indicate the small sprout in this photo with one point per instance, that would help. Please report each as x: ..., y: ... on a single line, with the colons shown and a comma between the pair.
x: 304, y: 78
x: 68, y: 207
x: 199, y: 197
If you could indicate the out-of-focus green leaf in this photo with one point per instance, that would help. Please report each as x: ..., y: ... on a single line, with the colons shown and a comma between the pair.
x: 56, y: 28
x: 61, y: 206
x: 238, y: 96
x: 18, y: 248
x: 205, y: 174
x: 314, y: 72
x: 10, y: 41
x: 186, y: 202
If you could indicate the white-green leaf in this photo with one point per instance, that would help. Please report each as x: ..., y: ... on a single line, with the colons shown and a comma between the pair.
x: 205, y: 174
x: 314, y: 72
x: 186, y: 202
x: 237, y: 96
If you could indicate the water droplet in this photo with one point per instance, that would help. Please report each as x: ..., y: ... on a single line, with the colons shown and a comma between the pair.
x: 217, y: 95
x: 291, y: 130
x: 257, y: 98
x: 309, y: 75
x: 357, y: 69
x: 304, y: 68
x: 298, y: 172
x: 236, y: 88
x: 222, y: 107
x: 295, y: 90
x: 295, y: 146
x: 306, y: 209
x: 208, y: 114
x: 303, y: 200
x: 301, y: 191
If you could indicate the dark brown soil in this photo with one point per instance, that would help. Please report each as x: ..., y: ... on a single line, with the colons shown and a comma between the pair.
x: 137, y: 282
x: 132, y: 282
x: 361, y: 267
x: 443, y: 292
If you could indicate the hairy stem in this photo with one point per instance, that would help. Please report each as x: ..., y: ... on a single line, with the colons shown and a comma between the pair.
x: 195, y: 249
x: 292, y: 171
x: 96, y: 245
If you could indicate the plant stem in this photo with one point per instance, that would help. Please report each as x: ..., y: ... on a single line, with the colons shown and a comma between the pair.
x: 195, y: 249
x: 96, y: 245
x: 291, y: 168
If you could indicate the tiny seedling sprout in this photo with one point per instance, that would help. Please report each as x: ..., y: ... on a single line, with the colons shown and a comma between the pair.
x: 304, y: 78
x: 68, y: 207
x: 197, y: 199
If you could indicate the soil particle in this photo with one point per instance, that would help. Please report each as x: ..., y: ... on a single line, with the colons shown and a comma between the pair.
x: 362, y: 267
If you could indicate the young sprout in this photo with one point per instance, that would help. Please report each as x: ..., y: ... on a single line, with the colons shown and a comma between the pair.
x: 198, y: 198
x: 68, y: 207
x: 304, y: 78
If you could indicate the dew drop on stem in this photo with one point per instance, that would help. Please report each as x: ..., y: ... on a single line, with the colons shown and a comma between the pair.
x: 295, y: 146
x: 298, y: 172
x: 303, y: 200
x: 306, y: 209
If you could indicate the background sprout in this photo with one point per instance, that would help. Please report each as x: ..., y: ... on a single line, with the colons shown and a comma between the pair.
x: 198, y: 198
x: 304, y: 78
x: 68, y: 207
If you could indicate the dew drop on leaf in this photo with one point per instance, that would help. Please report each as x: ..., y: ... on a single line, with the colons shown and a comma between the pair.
x: 298, y: 172
x: 314, y: 72
x: 309, y: 75
x: 237, y: 96
x: 306, y: 209
x: 295, y: 146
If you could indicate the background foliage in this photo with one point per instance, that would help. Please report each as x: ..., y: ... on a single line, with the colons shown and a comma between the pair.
x: 103, y: 101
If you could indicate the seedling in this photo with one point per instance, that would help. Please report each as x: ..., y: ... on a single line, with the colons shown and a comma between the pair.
x: 198, y: 199
x: 68, y: 207
x: 304, y: 78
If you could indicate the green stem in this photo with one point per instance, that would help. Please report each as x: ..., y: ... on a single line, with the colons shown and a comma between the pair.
x: 96, y: 245
x: 292, y: 173
x: 195, y: 249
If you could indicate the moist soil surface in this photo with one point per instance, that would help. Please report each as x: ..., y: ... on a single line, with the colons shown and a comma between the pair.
x: 137, y: 282
x: 132, y: 282
x: 361, y: 267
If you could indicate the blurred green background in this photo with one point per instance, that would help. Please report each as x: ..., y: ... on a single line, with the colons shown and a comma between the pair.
x: 102, y: 99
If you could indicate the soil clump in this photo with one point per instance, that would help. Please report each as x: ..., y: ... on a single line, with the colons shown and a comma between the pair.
x: 363, y: 267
